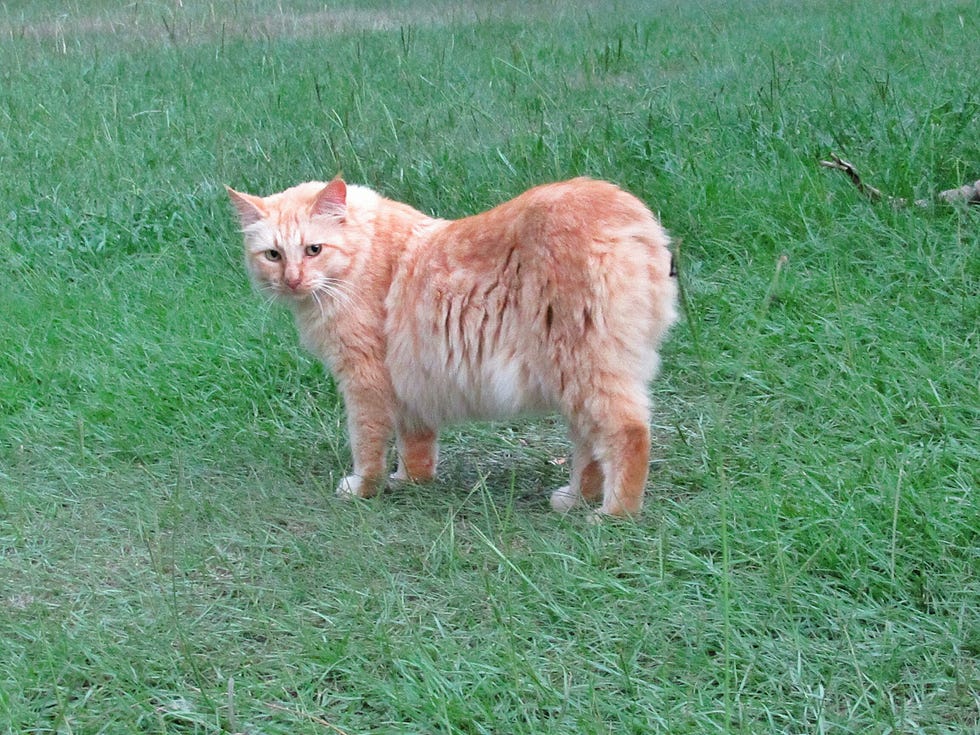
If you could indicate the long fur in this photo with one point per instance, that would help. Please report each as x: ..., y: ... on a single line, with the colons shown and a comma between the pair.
x: 556, y: 300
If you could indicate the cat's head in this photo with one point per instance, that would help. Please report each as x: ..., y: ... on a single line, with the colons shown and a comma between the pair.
x: 294, y: 244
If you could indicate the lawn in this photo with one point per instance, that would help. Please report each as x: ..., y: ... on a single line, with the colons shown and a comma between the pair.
x: 172, y: 556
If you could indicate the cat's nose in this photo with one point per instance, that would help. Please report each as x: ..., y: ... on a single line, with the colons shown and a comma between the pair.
x: 294, y: 282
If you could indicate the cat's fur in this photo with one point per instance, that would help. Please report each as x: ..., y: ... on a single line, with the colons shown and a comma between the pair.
x: 554, y: 301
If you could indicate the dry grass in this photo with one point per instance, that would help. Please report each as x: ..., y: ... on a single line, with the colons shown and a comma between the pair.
x: 201, y: 23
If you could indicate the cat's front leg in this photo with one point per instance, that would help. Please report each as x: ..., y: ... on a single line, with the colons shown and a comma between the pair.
x: 369, y: 426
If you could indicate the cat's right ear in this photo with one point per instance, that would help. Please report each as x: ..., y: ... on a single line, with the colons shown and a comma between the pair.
x: 332, y: 199
x: 250, y: 208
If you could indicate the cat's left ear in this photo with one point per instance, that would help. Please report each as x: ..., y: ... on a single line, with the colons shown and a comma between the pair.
x: 332, y: 200
x: 250, y: 208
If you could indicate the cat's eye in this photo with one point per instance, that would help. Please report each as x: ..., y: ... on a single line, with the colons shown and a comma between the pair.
x: 272, y: 255
x: 314, y: 249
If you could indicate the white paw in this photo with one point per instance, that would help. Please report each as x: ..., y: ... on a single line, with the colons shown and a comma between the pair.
x: 564, y: 499
x: 399, y: 476
x: 351, y: 486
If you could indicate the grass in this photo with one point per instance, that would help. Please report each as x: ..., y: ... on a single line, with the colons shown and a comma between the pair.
x: 171, y: 557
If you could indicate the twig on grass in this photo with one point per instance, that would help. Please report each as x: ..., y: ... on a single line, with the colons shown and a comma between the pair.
x: 969, y: 193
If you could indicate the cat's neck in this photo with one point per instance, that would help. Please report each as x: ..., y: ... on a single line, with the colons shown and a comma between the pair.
x: 351, y: 321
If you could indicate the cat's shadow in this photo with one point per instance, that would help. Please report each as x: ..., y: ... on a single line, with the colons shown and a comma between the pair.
x: 518, y: 462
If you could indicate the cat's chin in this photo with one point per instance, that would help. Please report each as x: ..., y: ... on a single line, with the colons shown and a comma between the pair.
x: 281, y: 292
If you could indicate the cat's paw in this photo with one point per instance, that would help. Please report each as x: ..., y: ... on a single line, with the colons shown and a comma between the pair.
x: 564, y: 499
x: 353, y: 486
x: 401, y: 477
x: 598, y: 517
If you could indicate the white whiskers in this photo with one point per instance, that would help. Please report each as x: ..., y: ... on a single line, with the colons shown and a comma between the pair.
x: 270, y: 295
x: 329, y: 294
x: 341, y: 293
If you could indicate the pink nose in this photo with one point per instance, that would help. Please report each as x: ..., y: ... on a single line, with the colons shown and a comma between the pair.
x: 294, y: 282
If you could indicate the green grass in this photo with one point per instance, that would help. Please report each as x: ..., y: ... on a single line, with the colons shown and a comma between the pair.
x: 172, y: 559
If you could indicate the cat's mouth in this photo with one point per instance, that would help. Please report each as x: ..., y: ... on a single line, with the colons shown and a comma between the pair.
x: 323, y: 291
x: 295, y: 291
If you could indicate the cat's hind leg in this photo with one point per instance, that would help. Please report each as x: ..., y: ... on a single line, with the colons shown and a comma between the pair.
x: 585, y: 482
x: 626, y: 469
x: 418, y: 453
x: 615, y: 423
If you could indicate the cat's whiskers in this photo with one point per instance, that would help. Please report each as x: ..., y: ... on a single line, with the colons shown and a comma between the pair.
x: 315, y: 295
x: 335, y: 289
x: 270, y: 294
x: 270, y: 298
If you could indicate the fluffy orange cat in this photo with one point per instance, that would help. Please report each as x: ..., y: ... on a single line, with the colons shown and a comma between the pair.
x: 554, y: 301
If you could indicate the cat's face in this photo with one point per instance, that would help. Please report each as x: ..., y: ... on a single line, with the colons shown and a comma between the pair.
x: 294, y: 241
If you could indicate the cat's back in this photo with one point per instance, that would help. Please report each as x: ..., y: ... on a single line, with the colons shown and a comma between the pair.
x: 555, y: 230
x: 582, y: 202
x: 549, y: 215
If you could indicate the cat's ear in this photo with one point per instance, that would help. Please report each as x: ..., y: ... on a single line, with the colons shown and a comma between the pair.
x: 250, y: 208
x: 332, y: 199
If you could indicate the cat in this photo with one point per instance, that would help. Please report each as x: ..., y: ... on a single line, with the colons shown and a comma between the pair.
x: 555, y: 301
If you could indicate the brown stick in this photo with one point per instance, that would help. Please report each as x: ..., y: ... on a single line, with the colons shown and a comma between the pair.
x: 969, y: 193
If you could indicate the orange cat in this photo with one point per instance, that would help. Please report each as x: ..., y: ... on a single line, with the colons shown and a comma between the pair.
x: 554, y: 301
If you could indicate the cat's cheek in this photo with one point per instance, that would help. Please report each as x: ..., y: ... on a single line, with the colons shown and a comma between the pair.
x: 337, y: 266
x: 263, y: 277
